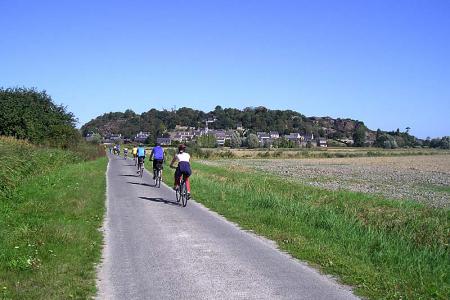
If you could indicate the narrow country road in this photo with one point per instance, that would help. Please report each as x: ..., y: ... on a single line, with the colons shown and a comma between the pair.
x: 156, y: 249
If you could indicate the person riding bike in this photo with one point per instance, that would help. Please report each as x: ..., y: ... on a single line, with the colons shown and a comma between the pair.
x: 158, y: 159
x: 183, y: 168
x: 141, y: 155
x: 134, y: 152
x: 125, y: 153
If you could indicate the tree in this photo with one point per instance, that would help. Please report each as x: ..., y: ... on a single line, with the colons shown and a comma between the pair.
x: 96, y: 138
x: 359, y: 136
x: 207, y: 141
x: 30, y: 114
x: 236, y: 140
x: 252, y: 141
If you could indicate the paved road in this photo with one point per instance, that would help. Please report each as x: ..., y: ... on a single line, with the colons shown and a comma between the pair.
x: 156, y: 249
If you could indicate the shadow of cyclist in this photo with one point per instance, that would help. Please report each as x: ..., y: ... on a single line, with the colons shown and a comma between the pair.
x: 160, y: 200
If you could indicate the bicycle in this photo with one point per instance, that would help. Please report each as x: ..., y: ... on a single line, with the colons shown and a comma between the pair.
x: 157, y: 173
x: 181, y: 193
x: 140, y: 166
x: 158, y: 178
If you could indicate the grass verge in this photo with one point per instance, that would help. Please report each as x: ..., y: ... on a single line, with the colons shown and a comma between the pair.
x: 385, y: 249
x: 49, y: 237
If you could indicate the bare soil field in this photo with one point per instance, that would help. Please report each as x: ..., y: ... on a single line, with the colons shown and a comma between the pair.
x: 329, y: 152
x: 423, y: 178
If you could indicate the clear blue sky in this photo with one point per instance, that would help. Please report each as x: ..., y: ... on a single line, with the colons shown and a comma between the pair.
x: 386, y: 63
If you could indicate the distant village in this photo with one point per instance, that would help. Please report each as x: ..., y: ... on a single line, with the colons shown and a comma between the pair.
x: 185, y: 134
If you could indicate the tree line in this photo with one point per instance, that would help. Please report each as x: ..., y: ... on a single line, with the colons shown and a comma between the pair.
x: 26, y: 113
x: 253, y: 119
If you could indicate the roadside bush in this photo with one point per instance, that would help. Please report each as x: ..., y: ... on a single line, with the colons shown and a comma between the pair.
x: 32, y: 115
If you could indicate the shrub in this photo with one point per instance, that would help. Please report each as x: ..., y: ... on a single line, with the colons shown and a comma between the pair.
x: 32, y: 115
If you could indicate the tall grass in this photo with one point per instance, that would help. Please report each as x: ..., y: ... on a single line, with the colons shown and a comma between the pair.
x: 20, y: 160
x: 385, y: 249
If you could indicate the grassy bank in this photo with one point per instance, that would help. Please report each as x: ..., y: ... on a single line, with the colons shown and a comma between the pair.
x: 385, y: 249
x: 21, y: 160
x: 49, y: 237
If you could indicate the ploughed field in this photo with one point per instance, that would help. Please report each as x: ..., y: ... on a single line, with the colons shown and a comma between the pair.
x: 425, y: 179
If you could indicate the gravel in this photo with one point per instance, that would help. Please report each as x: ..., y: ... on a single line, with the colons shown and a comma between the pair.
x: 425, y: 179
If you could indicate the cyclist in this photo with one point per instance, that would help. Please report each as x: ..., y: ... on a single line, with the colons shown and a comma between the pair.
x: 141, y: 155
x: 125, y: 153
x: 158, y: 159
x: 135, y: 153
x: 183, y: 168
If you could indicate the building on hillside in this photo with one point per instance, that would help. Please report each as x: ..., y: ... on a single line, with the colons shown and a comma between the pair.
x: 115, y: 137
x: 164, y: 141
x: 308, y: 140
x: 308, y: 137
x: 294, y: 137
x: 263, y: 137
x: 183, y: 128
x: 274, y: 135
x: 346, y: 141
x: 141, y: 137
x: 221, y: 136
x: 181, y: 136
x: 322, y: 142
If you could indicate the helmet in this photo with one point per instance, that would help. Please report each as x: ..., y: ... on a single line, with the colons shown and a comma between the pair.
x: 181, y: 147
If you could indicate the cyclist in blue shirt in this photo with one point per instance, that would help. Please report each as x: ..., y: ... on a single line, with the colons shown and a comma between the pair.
x: 158, y: 159
x: 141, y: 154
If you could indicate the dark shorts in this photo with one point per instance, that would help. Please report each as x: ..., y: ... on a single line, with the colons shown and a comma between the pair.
x: 184, y: 168
x: 141, y: 159
x: 158, y: 164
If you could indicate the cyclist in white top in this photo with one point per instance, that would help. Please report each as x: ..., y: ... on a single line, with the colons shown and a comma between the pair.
x: 183, y: 168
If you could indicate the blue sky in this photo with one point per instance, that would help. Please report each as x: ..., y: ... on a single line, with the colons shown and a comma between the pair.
x: 386, y: 63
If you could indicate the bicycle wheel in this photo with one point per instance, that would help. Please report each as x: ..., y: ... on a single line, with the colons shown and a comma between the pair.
x: 158, y: 178
x: 142, y: 170
x: 183, y: 192
x: 178, y: 194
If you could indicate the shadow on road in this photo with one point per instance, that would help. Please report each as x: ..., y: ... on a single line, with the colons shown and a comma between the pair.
x: 129, y: 175
x: 140, y: 183
x: 161, y: 200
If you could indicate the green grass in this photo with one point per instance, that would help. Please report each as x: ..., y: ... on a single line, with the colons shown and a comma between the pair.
x: 439, y: 188
x: 21, y: 160
x: 49, y: 237
x: 384, y: 249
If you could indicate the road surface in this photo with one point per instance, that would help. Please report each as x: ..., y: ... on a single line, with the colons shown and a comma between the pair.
x: 155, y: 249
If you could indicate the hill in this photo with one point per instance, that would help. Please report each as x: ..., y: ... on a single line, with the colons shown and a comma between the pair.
x: 158, y: 122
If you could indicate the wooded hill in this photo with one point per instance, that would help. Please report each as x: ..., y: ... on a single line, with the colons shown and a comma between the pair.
x: 253, y: 119
x: 158, y: 122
